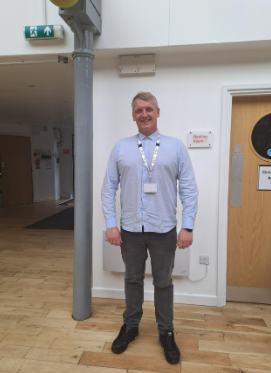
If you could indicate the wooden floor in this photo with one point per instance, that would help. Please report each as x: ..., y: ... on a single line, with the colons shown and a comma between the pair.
x: 38, y: 334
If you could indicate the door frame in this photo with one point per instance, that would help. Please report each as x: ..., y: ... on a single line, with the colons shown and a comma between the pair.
x: 228, y: 92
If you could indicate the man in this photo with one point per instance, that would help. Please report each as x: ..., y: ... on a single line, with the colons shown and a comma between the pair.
x: 147, y: 166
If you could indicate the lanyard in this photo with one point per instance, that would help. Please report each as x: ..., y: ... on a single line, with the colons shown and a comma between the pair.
x: 140, y: 147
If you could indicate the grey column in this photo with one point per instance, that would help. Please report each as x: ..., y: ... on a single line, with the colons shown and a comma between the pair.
x: 83, y: 160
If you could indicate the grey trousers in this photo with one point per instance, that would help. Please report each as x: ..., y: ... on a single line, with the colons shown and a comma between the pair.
x: 161, y: 247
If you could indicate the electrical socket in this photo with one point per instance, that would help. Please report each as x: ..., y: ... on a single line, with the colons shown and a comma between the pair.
x: 204, y: 259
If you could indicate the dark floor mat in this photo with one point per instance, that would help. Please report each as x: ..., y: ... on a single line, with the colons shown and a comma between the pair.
x: 62, y: 220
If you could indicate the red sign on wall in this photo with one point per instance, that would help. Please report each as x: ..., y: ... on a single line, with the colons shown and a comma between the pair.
x: 66, y: 151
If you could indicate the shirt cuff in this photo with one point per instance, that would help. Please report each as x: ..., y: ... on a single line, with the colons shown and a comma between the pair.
x: 188, y: 223
x: 111, y: 223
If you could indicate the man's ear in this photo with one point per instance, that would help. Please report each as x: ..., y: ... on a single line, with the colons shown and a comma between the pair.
x: 158, y: 113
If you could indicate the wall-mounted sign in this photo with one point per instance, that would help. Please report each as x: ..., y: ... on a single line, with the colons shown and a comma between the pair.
x: 137, y: 64
x: 200, y: 139
x: 49, y: 164
x: 66, y: 151
x: 43, y: 32
x: 264, y: 178
x: 46, y: 154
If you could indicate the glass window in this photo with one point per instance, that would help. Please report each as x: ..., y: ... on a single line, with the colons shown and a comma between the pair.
x: 261, y: 137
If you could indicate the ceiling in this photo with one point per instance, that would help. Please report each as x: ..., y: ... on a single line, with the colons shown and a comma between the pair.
x: 37, y: 91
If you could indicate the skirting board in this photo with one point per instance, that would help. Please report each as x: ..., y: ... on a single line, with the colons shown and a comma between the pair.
x: 184, y: 298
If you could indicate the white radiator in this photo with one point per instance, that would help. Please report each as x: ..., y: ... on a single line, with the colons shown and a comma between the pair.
x: 112, y: 260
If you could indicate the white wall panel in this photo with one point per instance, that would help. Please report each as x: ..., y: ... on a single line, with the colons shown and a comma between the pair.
x: 223, y: 21
x: 18, y: 14
x: 189, y: 92
x: 142, y: 23
x: 133, y: 24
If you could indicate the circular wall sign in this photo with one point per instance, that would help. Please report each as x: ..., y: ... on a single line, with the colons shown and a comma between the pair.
x: 261, y: 137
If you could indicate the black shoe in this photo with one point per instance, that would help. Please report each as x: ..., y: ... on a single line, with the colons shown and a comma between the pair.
x: 125, y: 336
x: 172, y: 352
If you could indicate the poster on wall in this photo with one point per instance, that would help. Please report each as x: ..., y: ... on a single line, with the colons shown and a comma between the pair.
x: 46, y: 154
x: 37, y: 164
x: 49, y: 164
x: 37, y: 159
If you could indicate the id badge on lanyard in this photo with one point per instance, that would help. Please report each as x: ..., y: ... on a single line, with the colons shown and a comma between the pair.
x: 149, y: 187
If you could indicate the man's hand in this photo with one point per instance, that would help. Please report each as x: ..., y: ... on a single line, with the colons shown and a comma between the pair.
x: 185, y: 239
x: 113, y: 236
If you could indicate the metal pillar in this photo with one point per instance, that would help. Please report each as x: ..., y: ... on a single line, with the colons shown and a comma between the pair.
x: 84, y: 19
x: 83, y: 158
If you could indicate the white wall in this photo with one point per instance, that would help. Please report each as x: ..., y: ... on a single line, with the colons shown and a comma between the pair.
x: 44, y: 179
x: 133, y: 24
x: 223, y: 21
x: 151, y: 23
x: 55, y: 183
x: 17, y: 15
x: 189, y: 92
x: 142, y: 24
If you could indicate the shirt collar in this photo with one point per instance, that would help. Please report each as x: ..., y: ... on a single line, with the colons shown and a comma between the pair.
x: 153, y: 136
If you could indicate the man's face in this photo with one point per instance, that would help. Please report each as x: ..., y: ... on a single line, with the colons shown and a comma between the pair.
x: 145, y: 114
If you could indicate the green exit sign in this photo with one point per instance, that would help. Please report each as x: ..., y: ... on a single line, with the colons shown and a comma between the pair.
x: 43, y: 32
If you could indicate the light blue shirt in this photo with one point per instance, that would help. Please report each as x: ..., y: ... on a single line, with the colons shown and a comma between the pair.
x: 155, y: 211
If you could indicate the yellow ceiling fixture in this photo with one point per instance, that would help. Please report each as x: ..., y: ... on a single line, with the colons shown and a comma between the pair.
x: 64, y: 3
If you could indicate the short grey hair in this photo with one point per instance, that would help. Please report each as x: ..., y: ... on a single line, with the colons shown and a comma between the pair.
x: 145, y: 96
